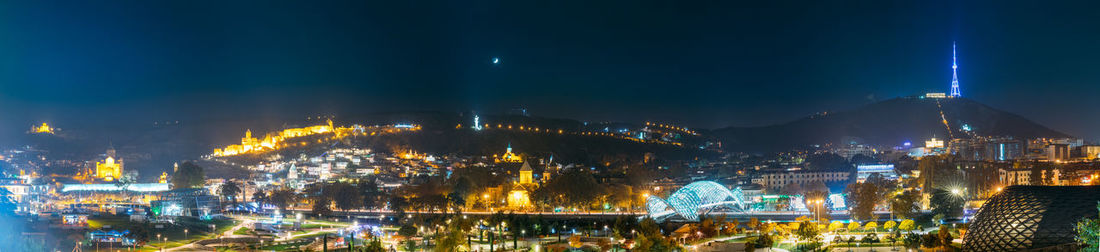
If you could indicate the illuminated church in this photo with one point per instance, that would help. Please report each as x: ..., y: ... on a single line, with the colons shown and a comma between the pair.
x: 109, y: 169
x: 520, y: 196
x: 509, y: 156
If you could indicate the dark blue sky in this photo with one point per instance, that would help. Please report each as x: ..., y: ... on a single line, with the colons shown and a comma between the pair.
x: 702, y: 64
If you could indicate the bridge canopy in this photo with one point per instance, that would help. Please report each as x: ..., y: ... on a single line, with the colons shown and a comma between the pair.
x: 695, y: 199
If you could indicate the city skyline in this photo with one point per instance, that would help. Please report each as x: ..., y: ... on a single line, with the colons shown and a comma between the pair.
x: 549, y: 126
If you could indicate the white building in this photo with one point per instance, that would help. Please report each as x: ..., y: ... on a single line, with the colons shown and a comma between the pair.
x: 774, y: 181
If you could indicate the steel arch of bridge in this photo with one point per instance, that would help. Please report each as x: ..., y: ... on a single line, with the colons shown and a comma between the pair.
x: 689, y: 201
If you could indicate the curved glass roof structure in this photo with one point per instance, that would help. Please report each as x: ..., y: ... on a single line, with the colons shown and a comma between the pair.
x: 1031, y: 218
x: 695, y: 199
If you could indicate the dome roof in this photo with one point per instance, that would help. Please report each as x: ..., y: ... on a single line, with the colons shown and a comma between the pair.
x: 1031, y: 217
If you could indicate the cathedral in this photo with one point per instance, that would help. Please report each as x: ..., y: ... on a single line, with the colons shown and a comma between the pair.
x: 520, y: 196
x: 109, y: 169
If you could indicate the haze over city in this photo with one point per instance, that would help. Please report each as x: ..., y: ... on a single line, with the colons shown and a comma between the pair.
x: 705, y: 65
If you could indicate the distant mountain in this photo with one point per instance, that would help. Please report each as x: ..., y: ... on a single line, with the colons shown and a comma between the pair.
x: 886, y: 123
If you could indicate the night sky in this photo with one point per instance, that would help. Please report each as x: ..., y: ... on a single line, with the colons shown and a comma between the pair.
x: 701, y: 64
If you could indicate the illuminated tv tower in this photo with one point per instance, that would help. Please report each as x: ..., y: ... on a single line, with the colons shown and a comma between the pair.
x: 954, y: 73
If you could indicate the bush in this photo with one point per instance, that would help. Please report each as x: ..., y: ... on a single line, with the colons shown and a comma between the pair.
x: 763, y: 241
x: 930, y: 241
x: 809, y: 246
x: 911, y: 240
x: 870, y: 238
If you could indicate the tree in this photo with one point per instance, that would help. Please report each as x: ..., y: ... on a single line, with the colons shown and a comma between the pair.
x: 453, y: 238
x: 817, y: 185
x: 907, y: 225
x: 904, y: 205
x: 871, y: 238
x: 1088, y: 232
x: 707, y: 227
x: 407, y: 230
x: 946, y: 203
x: 375, y: 245
x: 283, y: 198
x: 229, y: 190
x: 791, y: 189
x: 576, y: 188
x: 398, y: 205
x: 623, y: 225
x: 345, y: 195
x: 890, y: 224
x: 929, y: 241
x: 368, y: 190
x: 189, y: 175
x: 140, y: 234
x: 807, y: 231
x: 871, y: 226
x: 321, y: 206
x: 835, y: 225
x: 944, y: 235
x: 461, y: 188
x: 260, y: 197
x: 853, y: 226
x: 732, y: 226
x: 763, y: 241
x: 862, y: 198
x: 911, y: 240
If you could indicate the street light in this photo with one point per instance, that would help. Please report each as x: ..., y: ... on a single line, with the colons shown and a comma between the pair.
x: 185, y: 234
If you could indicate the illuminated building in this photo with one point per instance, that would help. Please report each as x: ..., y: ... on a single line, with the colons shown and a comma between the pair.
x: 935, y: 95
x: 292, y: 173
x: 251, y: 144
x: 1091, y: 151
x: 695, y: 199
x: 954, y: 73
x: 519, y: 197
x: 477, y: 123
x: 525, y: 174
x: 44, y: 129
x: 509, y: 157
x: 110, y: 169
x: 856, y: 149
x: 278, y: 140
x: 885, y: 170
x: 933, y: 143
x: 412, y: 155
x: 1057, y: 152
x: 163, y: 178
x: 1031, y: 218
x: 140, y: 188
x: 775, y: 181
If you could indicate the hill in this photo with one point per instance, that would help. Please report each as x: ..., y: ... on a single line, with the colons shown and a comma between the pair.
x: 886, y: 123
x: 153, y: 148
